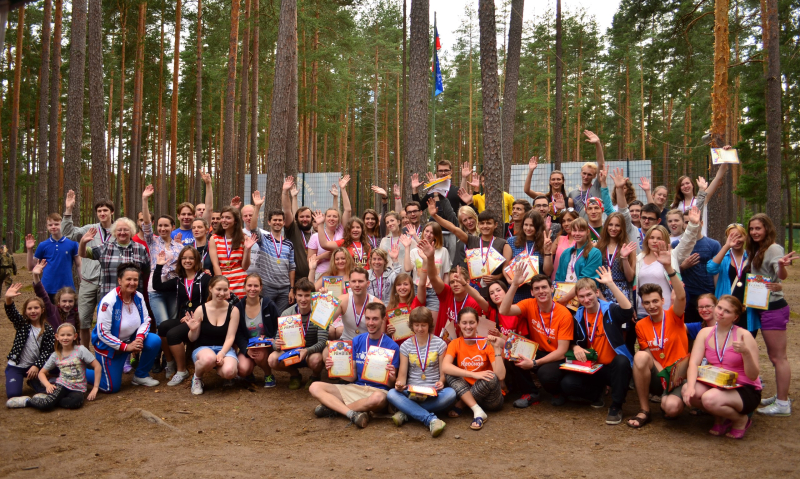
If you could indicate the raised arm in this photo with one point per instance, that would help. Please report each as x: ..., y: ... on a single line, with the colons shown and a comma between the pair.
x: 286, y: 202
x: 427, y: 251
x: 212, y: 253
x: 507, y: 306
x: 619, y: 183
x: 532, y: 164
x: 258, y: 201
x: 433, y: 213
x: 398, y: 199
x: 347, y: 209
x: 209, y: 196
x: 472, y: 292
x: 644, y: 184
x: 604, y: 277
x: 324, y: 243
x: 146, y: 194
x: 598, y: 148
x: 665, y: 258
x: 88, y: 236
x: 30, y: 242
x: 249, y: 242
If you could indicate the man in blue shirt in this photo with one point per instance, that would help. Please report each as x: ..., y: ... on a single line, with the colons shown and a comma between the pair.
x: 185, y: 218
x: 696, y: 279
x: 60, y: 254
x: 357, y: 399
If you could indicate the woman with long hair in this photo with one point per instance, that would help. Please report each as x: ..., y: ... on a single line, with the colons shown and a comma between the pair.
x: 564, y: 240
x: 200, y: 230
x: 468, y: 222
x: 372, y: 227
x: 353, y: 240
x: 414, y: 262
x: 393, y: 234
x: 532, y: 240
x: 767, y: 260
x: 556, y: 184
x: 619, y: 255
x: 728, y: 268
x: 341, y: 265
x: 688, y: 195
x: 230, y: 250
x: 332, y: 231
x: 580, y: 260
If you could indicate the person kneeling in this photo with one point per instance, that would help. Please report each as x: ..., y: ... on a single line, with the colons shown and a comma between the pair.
x: 356, y: 400
x: 316, y: 337
x: 730, y: 408
x: 212, y: 328
x: 599, y: 325
x: 258, y: 320
x: 474, y: 369
x: 421, y: 359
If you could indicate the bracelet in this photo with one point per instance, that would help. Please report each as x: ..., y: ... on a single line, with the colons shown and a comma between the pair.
x: 497, y: 355
x: 397, y: 197
x: 673, y: 274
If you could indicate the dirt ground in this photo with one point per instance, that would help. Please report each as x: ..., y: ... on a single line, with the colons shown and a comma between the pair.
x: 241, y: 432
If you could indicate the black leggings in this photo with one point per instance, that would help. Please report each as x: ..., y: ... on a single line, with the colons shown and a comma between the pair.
x: 66, y: 398
x: 175, y: 331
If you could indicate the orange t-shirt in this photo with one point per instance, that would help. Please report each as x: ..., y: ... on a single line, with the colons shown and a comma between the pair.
x: 470, y: 357
x: 542, y: 329
x: 605, y: 353
x: 676, y: 343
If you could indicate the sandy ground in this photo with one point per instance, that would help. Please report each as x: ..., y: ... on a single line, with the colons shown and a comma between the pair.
x: 245, y: 432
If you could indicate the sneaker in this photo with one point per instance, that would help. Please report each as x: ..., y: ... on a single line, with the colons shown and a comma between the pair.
x: 311, y: 381
x: 776, y: 409
x: 145, y: 381
x: 295, y: 382
x: 769, y: 400
x: 251, y: 378
x: 18, y: 402
x: 324, y: 411
x: 598, y: 403
x: 399, y: 418
x: 360, y: 419
x: 170, y: 370
x: 526, y: 400
x: 437, y: 427
x: 197, y: 386
x: 269, y: 381
x: 178, y: 378
x: 614, y: 416
x: 558, y: 400
x: 127, y: 368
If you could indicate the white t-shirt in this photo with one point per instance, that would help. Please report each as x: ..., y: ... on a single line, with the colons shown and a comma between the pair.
x: 442, y: 259
x: 129, y: 322
x: 656, y: 274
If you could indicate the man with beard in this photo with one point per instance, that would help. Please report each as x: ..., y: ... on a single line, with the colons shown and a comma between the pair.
x: 297, y: 228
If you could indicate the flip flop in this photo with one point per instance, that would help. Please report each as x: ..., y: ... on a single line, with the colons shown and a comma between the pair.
x: 479, y: 421
x: 721, y: 428
x: 455, y: 412
x: 739, y: 433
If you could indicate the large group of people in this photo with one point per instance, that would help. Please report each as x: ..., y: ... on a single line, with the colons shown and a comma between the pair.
x: 586, y: 294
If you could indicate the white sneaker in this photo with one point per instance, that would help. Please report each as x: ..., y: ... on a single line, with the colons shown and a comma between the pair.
x: 18, y: 402
x: 197, y: 386
x: 178, y: 378
x: 170, y: 370
x: 145, y: 381
x: 776, y: 409
x: 769, y: 400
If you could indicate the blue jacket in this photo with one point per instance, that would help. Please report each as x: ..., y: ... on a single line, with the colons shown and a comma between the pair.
x: 724, y: 286
x: 584, y: 267
x: 105, y: 336
x: 615, y: 319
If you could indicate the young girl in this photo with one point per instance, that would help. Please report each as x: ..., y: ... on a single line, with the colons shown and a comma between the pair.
x: 392, y: 238
x: 504, y: 324
x: 432, y: 233
x: 474, y: 369
x: 658, y: 197
x: 258, y: 319
x: 687, y: 196
x: 200, y: 232
x: 580, y: 260
x: 332, y: 231
x: 706, y: 303
x: 532, y: 239
x: 71, y: 361
x: 421, y: 360
x: 341, y: 265
x: 767, y: 259
x: 468, y: 223
x: 64, y: 310
x: 730, y: 347
x: 728, y: 267
x: 212, y: 328
x: 371, y: 221
x: 33, y: 343
x: 565, y: 239
x: 402, y: 296
x: 190, y: 284
x: 353, y: 240
x: 556, y: 183
x: 618, y: 254
x: 229, y: 252
x: 382, y: 278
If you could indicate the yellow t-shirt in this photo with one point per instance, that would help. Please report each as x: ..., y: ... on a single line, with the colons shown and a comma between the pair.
x: 508, y: 201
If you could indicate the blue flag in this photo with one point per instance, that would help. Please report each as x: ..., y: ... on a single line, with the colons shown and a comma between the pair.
x: 438, y: 87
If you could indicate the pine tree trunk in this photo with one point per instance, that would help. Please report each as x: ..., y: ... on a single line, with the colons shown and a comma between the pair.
x: 292, y: 134
x: 243, y: 105
x: 229, y: 145
x: 773, y: 116
x: 53, y: 197
x: 11, y: 191
x: 160, y: 195
x: 75, y: 94
x: 44, y: 111
x: 558, y: 150
x: 198, y: 112
x: 118, y: 195
x: 134, y: 199
x: 418, y: 77
x: 282, y: 91
x: 97, y: 103
x: 719, y: 114
x: 491, y: 112
x: 254, y: 97
x: 173, y: 137
x: 511, y: 84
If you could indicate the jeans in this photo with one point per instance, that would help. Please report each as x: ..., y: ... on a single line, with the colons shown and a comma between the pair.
x: 111, y: 379
x: 279, y: 296
x: 164, y: 306
x: 422, y: 411
x: 15, y: 377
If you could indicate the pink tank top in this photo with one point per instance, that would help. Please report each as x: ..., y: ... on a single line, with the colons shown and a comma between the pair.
x: 731, y: 360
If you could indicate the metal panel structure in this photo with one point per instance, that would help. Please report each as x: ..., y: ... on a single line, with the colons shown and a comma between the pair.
x: 314, y: 190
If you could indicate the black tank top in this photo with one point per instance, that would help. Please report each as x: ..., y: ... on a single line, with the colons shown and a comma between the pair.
x: 211, y: 335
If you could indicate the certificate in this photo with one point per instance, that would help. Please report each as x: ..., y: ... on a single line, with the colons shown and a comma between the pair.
x: 495, y: 260
x: 421, y: 392
x: 720, y: 156
x: 334, y: 285
x: 517, y: 346
x: 375, y: 365
x: 475, y: 264
x: 756, y: 295
x: 562, y: 289
x: 581, y: 369
x: 399, y: 319
x: 341, y: 352
x: 531, y: 266
x: 484, y: 325
x: 448, y: 332
x: 290, y: 330
x: 323, y: 311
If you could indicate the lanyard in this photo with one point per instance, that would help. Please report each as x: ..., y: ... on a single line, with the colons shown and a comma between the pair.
x: 594, y: 328
x: 275, y: 244
x: 104, y: 235
x: 596, y: 234
x: 380, y: 341
x: 533, y: 248
x: 455, y: 309
x: 391, y: 242
x: 358, y: 253
x: 360, y: 316
x: 485, y: 257
x: 584, y: 197
x: 203, y: 259
x: 577, y: 254
x: 660, y: 342
x: 227, y: 247
x: 739, y: 267
x: 373, y: 241
x: 379, y: 287
x: 476, y: 339
x: 325, y: 230
x: 511, y: 229
x: 724, y: 346
x: 690, y: 204
x: 418, y: 231
x: 423, y: 363
x: 541, y: 320
x: 610, y: 257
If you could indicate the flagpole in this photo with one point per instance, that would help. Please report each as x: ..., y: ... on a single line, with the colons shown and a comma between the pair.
x: 433, y: 75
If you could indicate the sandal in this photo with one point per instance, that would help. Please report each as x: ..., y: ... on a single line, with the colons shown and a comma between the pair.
x: 721, y: 428
x: 739, y: 433
x: 454, y: 412
x: 641, y: 421
x: 479, y: 421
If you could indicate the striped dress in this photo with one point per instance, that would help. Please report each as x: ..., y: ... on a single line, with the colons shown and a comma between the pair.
x: 230, y: 263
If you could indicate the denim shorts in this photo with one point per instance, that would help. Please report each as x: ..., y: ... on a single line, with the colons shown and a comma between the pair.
x: 230, y: 354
